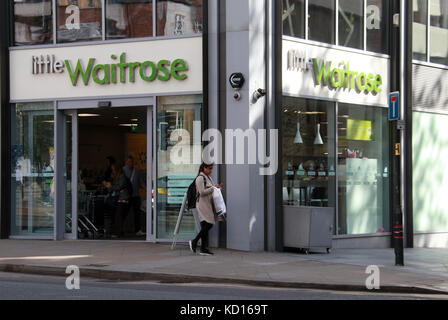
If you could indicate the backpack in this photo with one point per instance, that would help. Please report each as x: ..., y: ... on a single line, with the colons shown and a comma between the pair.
x: 192, y: 194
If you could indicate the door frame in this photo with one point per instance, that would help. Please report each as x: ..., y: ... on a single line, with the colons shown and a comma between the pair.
x: 71, y: 107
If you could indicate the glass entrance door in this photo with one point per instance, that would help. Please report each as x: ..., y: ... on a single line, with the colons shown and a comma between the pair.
x: 108, y: 173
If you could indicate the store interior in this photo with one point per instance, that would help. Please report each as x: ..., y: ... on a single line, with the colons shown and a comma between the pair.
x: 108, y: 137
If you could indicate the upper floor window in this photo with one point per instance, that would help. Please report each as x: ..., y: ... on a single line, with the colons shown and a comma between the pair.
x: 97, y: 20
x: 180, y: 17
x: 430, y: 44
x: 129, y: 19
x: 358, y: 24
x: 33, y: 22
x: 79, y: 20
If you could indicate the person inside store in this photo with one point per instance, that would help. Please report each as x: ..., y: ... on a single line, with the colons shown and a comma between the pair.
x: 110, y: 160
x: 136, y: 178
x: 117, y: 202
x: 205, y: 208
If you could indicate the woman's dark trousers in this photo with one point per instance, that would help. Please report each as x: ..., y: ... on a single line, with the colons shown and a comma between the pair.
x: 203, y: 235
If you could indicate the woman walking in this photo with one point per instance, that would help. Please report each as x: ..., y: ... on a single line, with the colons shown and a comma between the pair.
x: 204, y: 205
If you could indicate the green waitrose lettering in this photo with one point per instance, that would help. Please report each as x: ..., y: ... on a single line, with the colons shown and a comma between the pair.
x: 345, y: 78
x: 104, y: 74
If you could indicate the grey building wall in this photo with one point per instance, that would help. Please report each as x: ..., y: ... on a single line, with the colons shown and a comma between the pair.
x: 245, y: 53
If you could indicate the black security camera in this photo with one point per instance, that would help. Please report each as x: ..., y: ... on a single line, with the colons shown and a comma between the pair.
x: 259, y: 93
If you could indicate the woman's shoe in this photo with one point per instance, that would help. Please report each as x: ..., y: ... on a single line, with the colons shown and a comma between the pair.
x: 192, y: 246
x: 205, y: 253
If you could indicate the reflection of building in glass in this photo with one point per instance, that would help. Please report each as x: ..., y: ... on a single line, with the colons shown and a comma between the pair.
x: 33, y: 22
x: 129, y: 19
x: 89, y: 15
x: 179, y: 17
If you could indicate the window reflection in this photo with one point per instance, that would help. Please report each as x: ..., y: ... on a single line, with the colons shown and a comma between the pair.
x: 293, y: 18
x: 377, y: 28
x: 439, y: 31
x: 33, y: 22
x: 420, y: 29
x: 308, y: 153
x: 321, y: 21
x: 32, y: 169
x: 350, y: 31
x: 129, y: 19
x: 176, y: 18
x: 79, y: 20
x: 175, y: 116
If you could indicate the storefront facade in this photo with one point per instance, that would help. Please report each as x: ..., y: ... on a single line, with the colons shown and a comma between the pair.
x: 325, y: 108
x: 71, y: 61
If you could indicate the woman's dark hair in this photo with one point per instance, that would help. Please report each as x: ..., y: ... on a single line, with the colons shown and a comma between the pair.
x: 203, y: 166
x: 116, y: 171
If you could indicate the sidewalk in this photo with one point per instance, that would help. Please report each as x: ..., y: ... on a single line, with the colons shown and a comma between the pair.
x: 426, y: 270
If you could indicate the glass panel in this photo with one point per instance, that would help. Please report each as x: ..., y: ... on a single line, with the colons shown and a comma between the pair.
x: 439, y: 31
x: 68, y: 173
x: 351, y: 19
x: 33, y: 22
x: 420, y: 29
x: 363, y: 170
x: 32, y: 158
x: 308, y: 153
x: 173, y: 180
x: 294, y: 18
x: 129, y: 19
x: 321, y: 21
x: 179, y: 17
x: 378, y: 26
x: 79, y: 20
x: 430, y: 188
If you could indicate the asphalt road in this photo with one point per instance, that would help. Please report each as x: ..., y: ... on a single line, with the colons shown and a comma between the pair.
x: 15, y: 286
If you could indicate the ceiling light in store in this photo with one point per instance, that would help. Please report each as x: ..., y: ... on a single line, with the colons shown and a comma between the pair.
x: 86, y: 115
x: 134, y: 119
x: 127, y: 124
x: 48, y: 121
x: 298, y: 138
x: 318, y: 139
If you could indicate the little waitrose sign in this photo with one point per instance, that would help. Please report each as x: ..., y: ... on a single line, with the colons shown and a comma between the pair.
x: 345, y: 78
x: 111, y: 73
x: 311, y: 71
x: 107, y: 70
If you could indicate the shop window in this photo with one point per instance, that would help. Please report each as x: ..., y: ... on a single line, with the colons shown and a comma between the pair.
x: 177, y: 18
x: 129, y: 19
x: 377, y: 26
x: 419, y: 31
x: 79, y: 20
x: 439, y: 31
x: 321, y: 23
x: 293, y: 17
x: 363, y: 170
x: 308, y: 158
x: 33, y: 22
x: 351, y: 13
x: 32, y: 169
x: 176, y: 118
